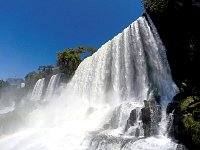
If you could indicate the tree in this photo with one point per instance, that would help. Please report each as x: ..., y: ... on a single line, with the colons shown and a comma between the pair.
x: 69, y: 59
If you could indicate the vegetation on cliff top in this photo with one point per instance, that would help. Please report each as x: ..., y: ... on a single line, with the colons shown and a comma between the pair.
x: 67, y: 62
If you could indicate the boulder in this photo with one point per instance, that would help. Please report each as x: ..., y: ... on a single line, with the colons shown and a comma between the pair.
x: 151, y: 115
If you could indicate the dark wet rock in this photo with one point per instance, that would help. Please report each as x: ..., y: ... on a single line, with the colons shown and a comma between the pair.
x: 181, y: 147
x: 151, y: 115
x: 123, y: 113
x: 131, y: 120
x: 180, y: 96
x: 186, y: 124
x: 196, y: 115
x: 172, y: 107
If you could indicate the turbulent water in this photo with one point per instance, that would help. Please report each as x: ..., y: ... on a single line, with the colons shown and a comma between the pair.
x: 91, y: 113
x: 52, y: 86
x: 38, y: 89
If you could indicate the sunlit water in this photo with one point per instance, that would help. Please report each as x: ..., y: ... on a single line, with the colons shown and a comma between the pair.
x: 92, y: 110
x: 37, y: 90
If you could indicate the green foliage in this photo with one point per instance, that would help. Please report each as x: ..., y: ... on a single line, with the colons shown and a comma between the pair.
x: 156, y: 5
x: 69, y: 59
x: 186, y: 102
x: 162, y: 6
x: 191, y: 105
x: 193, y: 127
x: 67, y: 62
x: 191, y: 117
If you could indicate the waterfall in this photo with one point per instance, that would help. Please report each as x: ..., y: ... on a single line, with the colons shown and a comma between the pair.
x: 130, y: 66
x: 170, y: 120
x: 101, y: 107
x: 37, y: 90
x: 51, y: 88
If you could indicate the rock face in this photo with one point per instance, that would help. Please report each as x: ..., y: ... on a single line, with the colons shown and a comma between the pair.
x: 151, y: 115
x: 176, y: 22
x: 132, y: 119
x: 181, y: 147
x: 186, y: 124
x: 136, y: 122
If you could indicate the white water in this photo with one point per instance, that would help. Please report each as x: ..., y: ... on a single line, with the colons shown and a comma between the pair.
x: 6, y: 109
x: 92, y: 111
x: 52, y: 86
x: 38, y: 89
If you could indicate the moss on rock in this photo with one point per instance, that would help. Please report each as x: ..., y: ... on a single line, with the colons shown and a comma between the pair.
x: 186, y: 123
x: 193, y: 127
x: 156, y: 6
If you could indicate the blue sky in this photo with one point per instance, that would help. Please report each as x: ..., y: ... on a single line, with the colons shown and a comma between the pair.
x: 33, y: 31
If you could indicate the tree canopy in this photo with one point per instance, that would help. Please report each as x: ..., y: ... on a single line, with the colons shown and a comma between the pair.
x: 69, y: 59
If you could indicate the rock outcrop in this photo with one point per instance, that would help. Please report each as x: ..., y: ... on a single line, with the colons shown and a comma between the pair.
x: 151, y: 115
x: 186, y: 122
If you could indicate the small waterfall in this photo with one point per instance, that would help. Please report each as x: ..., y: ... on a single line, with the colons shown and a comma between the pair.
x: 163, y: 123
x: 134, y: 126
x: 53, y: 84
x: 38, y: 89
x: 170, y: 121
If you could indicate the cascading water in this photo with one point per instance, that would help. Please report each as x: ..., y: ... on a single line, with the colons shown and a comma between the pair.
x: 38, y: 89
x: 6, y: 109
x: 51, y: 88
x: 93, y: 111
